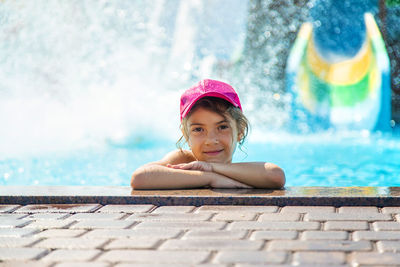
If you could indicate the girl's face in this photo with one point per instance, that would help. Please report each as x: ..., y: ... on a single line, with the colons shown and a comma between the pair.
x: 212, y: 138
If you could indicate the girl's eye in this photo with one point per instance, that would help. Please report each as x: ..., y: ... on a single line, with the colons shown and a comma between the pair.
x: 197, y: 129
x: 223, y: 127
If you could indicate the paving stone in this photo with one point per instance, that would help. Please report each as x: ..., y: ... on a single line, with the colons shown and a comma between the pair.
x: 133, y: 233
x: 380, y: 235
x: 155, y: 256
x: 11, y: 216
x: 234, y: 216
x: 325, y: 235
x: 14, y: 242
x: 236, y: 208
x: 50, y: 224
x: 72, y: 255
x: 397, y: 217
x: 307, y: 257
x: 165, y: 265
x: 381, y: 226
x: 17, y: 232
x: 96, y: 216
x: 58, y: 208
x: 212, y: 234
x: 211, y: 244
x: 21, y: 253
x: 279, y: 217
x: 274, y: 265
x: 346, y: 225
x: 99, y: 224
x: 10, y: 223
x: 271, y: 235
x: 319, y: 245
x: 60, y: 233
x: 391, y: 210
x: 83, y: 264
x: 71, y: 243
x: 181, y: 225
x: 169, y: 217
x: 133, y: 243
x: 155, y: 265
x: 252, y: 257
x: 388, y: 246
x: 126, y: 208
x: 376, y: 259
x: 269, y: 265
x: 46, y: 216
x: 308, y: 209
x: 352, y: 210
x: 24, y: 263
x: 8, y: 208
x: 275, y: 225
x: 347, y: 217
x: 174, y: 209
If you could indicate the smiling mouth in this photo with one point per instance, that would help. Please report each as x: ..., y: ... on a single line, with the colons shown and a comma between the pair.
x: 213, y: 153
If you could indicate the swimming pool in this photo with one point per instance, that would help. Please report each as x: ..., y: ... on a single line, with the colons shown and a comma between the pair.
x: 88, y: 101
x: 357, y: 159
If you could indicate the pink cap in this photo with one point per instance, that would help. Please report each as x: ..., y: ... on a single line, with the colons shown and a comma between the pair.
x: 205, y: 88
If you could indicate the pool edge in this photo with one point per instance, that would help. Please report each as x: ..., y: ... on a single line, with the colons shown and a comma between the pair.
x: 298, y: 196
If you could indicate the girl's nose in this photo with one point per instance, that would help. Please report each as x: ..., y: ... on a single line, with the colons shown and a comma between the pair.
x: 212, y: 138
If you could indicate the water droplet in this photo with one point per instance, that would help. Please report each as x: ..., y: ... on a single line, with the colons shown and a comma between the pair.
x: 365, y: 133
x: 121, y: 13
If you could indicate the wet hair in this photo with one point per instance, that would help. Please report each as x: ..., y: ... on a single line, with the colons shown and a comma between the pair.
x: 221, y: 107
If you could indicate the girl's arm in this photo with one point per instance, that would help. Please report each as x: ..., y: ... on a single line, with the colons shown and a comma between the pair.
x: 255, y: 174
x: 160, y: 177
x: 156, y: 175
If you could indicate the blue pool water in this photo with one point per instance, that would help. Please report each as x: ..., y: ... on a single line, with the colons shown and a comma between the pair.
x: 312, y: 160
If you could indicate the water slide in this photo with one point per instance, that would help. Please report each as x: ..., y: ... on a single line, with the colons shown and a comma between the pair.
x: 338, y: 71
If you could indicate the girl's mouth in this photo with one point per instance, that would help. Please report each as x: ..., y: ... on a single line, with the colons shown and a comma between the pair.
x: 213, y: 153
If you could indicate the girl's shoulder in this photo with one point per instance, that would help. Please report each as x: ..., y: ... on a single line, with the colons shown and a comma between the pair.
x: 178, y: 156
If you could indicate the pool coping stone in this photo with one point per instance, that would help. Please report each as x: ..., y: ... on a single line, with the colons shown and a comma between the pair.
x: 299, y: 196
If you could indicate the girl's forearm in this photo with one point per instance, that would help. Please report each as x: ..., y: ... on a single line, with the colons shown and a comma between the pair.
x: 256, y: 174
x: 160, y: 177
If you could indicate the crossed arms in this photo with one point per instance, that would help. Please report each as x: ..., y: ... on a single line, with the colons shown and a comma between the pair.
x: 179, y: 170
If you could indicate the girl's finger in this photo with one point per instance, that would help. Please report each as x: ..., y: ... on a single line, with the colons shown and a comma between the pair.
x: 173, y: 166
x: 187, y: 166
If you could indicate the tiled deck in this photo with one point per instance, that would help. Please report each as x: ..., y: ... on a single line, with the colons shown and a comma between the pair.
x: 320, y: 229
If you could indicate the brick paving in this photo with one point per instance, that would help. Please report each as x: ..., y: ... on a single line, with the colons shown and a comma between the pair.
x: 148, y: 235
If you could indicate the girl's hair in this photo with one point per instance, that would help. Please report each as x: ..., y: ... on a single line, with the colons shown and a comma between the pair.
x: 221, y: 107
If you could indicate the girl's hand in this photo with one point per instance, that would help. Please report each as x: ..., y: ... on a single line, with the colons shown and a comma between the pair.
x: 194, y: 165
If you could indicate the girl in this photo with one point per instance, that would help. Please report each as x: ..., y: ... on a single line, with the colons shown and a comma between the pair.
x: 212, y: 124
